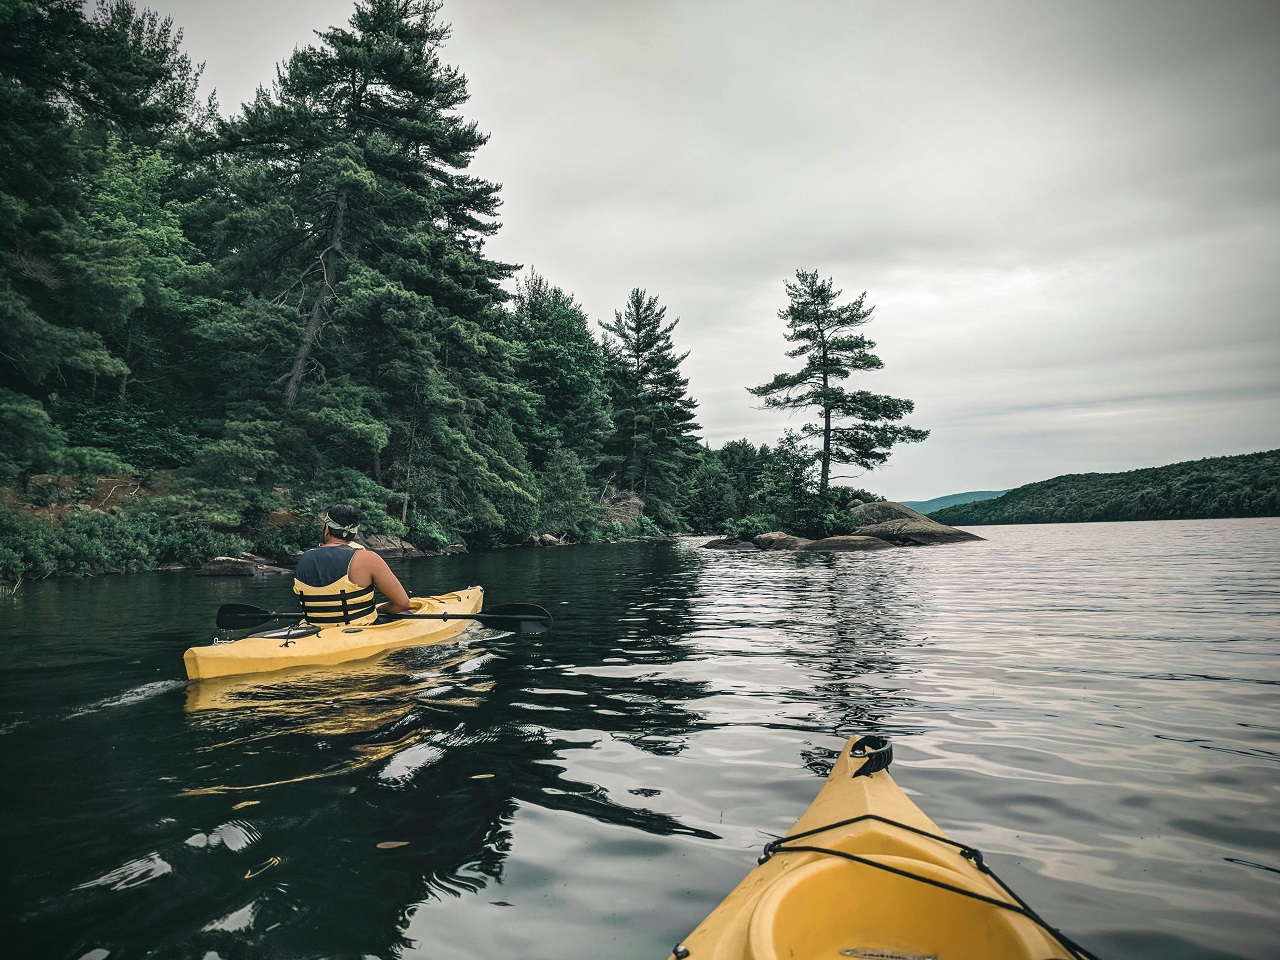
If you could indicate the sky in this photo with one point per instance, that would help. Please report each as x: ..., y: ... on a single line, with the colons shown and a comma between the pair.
x: 1066, y: 215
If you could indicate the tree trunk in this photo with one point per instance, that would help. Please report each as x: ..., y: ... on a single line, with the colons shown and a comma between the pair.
x: 319, y: 309
x: 408, y: 472
x: 826, y: 429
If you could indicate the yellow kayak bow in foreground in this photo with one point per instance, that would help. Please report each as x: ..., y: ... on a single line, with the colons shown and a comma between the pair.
x: 864, y: 873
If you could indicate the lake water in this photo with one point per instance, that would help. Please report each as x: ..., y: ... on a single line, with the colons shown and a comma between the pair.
x: 1094, y: 706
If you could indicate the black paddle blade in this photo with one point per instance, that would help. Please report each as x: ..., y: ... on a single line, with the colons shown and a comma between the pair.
x: 516, y: 617
x: 242, y: 616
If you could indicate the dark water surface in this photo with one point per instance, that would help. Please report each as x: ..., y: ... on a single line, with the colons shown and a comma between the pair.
x: 1094, y: 706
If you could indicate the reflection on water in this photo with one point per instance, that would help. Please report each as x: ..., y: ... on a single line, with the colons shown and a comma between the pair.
x: 366, y: 714
x: 1093, y: 706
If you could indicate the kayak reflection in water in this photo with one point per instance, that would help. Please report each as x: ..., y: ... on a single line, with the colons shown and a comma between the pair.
x: 335, y: 581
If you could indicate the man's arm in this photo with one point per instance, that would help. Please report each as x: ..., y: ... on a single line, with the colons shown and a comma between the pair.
x: 387, y: 583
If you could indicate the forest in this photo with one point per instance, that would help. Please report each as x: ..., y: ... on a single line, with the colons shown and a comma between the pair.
x: 214, y: 327
x: 1215, y: 487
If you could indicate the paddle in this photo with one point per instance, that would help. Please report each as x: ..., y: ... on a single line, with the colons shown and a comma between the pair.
x: 512, y: 617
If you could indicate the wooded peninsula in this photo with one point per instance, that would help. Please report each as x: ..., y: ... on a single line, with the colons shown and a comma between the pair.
x: 214, y: 328
x: 1213, y: 488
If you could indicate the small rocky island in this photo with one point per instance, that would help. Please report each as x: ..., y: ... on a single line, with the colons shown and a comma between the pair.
x: 879, y: 527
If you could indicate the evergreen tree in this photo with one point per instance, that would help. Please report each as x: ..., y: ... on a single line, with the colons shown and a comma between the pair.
x: 73, y: 93
x: 351, y: 244
x: 653, y: 444
x: 94, y: 268
x: 566, y: 504
x: 855, y: 426
x: 713, y: 496
x: 562, y: 365
x: 744, y: 463
x: 787, y: 493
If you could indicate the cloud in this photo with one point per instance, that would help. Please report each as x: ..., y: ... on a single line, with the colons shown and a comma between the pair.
x: 1066, y: 214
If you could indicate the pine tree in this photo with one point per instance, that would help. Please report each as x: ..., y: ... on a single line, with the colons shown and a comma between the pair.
x: 353, y: 249
x: 72, y: 92
x: 855, y: 426
x: 654, y: 417
x: 561, y: 363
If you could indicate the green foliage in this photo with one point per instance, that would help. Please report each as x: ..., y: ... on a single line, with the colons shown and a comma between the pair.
x: 562, y: 365
x: 713, y: 497
x: 855, y: 427
x: 75, y: 92
x: 93, y: 542
x: 750, y: 527
x: 131, y: 431
x: 1242, y: 486
x: 427, y: 533
x: 566, y: 502
x: 788, y: 487
x: 249, y: 452
x: 653, y: 443
x: 29, y: 439
x: 786, y: 495
x: 642, y: 527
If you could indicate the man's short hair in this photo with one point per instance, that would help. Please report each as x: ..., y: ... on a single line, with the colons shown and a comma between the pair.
x: 343, y: 521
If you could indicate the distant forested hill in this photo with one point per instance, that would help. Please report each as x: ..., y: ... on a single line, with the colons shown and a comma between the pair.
x: 952, y: 500
x: 1243, y: 486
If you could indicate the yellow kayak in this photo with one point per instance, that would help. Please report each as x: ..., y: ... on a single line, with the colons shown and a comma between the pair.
x: 864, y: 873
x: 303, y: 646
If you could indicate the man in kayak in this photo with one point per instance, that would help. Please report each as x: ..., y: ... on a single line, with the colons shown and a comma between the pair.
x: 335, y: 581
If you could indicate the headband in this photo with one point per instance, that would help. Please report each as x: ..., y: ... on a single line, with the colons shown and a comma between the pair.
x: 334, y: 525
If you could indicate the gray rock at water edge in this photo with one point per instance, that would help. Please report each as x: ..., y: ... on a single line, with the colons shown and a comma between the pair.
x: 916, y: 533
x: 904, y: 527
x: 238, y: 567
x: 778, y: 540
x: 389, y: 547
x: 546, y: 540
x: 882, y: 510
x: 729, y: 543
x: 846, y: 544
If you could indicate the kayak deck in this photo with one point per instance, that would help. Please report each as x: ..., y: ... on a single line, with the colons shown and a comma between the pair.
x: 306, y: 646
x: 865, y: 873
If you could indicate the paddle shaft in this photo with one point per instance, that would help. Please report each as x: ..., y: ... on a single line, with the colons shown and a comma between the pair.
x: 518, y: 617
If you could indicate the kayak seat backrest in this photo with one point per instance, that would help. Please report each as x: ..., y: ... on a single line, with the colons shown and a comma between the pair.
x: 877, y: 839
x: 834, y: 907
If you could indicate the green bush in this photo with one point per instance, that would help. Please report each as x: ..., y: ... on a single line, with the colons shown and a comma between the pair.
x: 642, y: 527
x: 91, y: 542
x: 427, y: 534
x: 748, y: 528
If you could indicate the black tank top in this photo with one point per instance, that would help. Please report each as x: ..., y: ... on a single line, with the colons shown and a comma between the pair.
x: 322, y: 566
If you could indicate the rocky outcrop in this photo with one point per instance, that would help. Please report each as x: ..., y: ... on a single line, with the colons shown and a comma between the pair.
x: 903, y: 526
x: 866, y: 514
x: 389, y: 547
x: 880, y: 525
x: 621, y: 506
x: 248, y: 566
x: 845, y: 544
x: 777, y: 540
x: 730, y: 543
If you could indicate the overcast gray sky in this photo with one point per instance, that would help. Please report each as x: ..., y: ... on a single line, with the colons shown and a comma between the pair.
x: 1067, y: 215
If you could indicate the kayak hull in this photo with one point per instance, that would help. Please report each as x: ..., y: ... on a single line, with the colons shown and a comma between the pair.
x: 802, y: 905
x: 332, y: 645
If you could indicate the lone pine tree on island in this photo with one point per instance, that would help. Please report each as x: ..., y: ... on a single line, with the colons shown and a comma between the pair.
x: 856, y: 426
